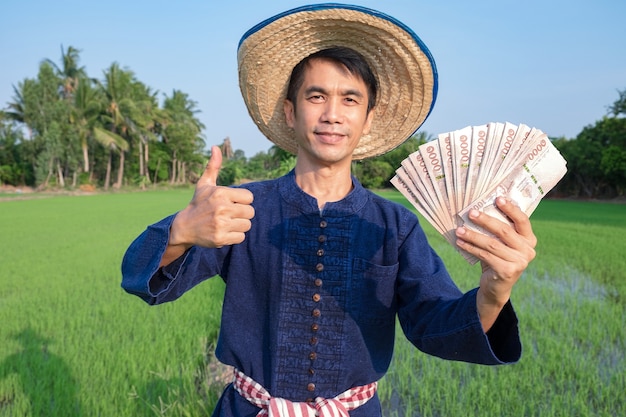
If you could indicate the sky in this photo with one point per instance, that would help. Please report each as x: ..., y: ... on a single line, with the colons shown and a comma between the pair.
x: 552, y: 64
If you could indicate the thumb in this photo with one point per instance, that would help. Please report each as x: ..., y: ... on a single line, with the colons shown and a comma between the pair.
x: 212, y: 170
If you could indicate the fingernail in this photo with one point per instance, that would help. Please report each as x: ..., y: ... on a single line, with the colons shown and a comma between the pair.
x: 460, y: 231
x: 473, y: 213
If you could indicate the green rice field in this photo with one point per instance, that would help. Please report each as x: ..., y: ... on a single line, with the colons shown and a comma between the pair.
x: 73, y: 343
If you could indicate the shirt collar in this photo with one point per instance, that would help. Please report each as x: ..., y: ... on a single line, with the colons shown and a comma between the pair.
x: 350, y: 204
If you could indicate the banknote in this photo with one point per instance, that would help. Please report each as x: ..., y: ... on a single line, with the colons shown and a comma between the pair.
x: 478, y: 144
x: 490, y: 159
x: 461, y: 144
x: 445, y: 151
x: 509, y: 155
x: 404, y: 185
x: 418, y: 174
x: 432, y: 161
x: 407, y: 174
x: 509, y: 133
x: 541, y: 169
x: 470, y: 168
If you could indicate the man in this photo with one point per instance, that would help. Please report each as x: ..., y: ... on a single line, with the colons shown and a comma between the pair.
x: 316, y: 267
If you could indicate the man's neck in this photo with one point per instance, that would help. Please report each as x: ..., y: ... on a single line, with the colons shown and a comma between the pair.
x: 326, y: 184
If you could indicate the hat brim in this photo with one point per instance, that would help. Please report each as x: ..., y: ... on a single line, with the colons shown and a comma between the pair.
x: 401, y: 62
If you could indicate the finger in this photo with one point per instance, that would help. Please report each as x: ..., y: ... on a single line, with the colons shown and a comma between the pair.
x: 240, y: 196
x: 234, y: 238
x: 243, y: 209
x: 497, y: 260
x: 240, y: 225
x: 235, y: 234
x: 518, y: 217
x: 484, y: 247
x: 507, y: 245
x: 212, y: 170
x: 503, y: 229
x: 494, y: 226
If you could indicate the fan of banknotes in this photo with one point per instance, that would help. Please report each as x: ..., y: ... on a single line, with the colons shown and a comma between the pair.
x: 469, y: 168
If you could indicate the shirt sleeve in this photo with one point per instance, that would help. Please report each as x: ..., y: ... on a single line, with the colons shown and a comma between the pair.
x: 442, y: 321
x: 142, y: 276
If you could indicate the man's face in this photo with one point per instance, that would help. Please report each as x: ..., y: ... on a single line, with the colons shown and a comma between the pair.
x: 330, y: 114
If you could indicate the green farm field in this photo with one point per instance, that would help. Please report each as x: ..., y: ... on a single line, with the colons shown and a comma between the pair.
x: 73, y: 343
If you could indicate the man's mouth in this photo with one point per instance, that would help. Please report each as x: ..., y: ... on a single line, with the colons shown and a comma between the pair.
x: 330, y: 137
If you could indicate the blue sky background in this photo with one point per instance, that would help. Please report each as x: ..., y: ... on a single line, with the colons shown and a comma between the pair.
x: 552, y: 64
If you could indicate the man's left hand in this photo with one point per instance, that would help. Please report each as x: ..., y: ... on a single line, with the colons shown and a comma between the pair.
x: 503, y: 257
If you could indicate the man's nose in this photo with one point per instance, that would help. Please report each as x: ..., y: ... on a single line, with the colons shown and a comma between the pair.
x: 332, y: 111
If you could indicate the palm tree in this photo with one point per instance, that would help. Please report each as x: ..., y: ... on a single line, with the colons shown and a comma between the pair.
x: 17, y: 110
x: 119, y: 105
x: 69, y: 71
x: 142, y: 121
x: 182, y: 134
x: 85, y: 114
x: 38, y: 106
x: 114, y: 143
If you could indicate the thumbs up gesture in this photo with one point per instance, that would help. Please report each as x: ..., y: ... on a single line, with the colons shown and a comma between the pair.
x: 215, y: 217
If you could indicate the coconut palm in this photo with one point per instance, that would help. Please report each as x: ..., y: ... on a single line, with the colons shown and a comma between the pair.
x: 18, y: 109
x: 119, y: 105
x: 182, y: 133
x: 69, y: 71
x: 85, y: 114
x: 142, y: 122
x: 113, y: 143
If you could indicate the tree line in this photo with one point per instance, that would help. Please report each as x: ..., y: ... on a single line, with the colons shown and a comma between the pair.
x: 596, y: 158
x: 65, y: 129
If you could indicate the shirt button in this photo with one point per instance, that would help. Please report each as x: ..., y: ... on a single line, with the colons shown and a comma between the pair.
x: 318, y: 282
x: 319, y: 267
x: 313, y: 341
x: 315, y: 327
x: 323, y: 224
x: 320, y: 252
x: 309, y: 400
x: 316, y: 312
x: 317, y: 298
x: 321, y: 238
x: 311, y: 371
x: 312, y: 356
x: 310, y: 387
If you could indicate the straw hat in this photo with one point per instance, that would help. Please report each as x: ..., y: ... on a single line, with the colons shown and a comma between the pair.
x: 402, y: 64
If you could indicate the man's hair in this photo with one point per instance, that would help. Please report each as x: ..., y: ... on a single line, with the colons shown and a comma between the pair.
x: 350, y: 59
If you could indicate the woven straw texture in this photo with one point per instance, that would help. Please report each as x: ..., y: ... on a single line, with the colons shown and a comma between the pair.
x: 405, y: 73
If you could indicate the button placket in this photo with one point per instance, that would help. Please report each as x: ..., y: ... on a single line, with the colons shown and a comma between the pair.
x: 317, y: 298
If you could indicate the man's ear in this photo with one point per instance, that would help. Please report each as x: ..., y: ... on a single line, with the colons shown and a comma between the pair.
x: 368, y: 122
x: 289, y: 113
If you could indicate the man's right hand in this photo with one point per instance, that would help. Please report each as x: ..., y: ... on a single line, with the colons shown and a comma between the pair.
x: 215, y: 217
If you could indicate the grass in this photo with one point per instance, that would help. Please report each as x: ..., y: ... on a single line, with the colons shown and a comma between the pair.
x: 572, y: 312
x: 72, y: 343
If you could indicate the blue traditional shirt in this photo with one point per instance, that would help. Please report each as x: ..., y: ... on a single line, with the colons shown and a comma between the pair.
x: 312, y: 296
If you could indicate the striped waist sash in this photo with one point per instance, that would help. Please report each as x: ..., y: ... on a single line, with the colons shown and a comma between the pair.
x: 320, y: 407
